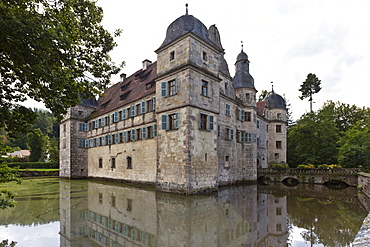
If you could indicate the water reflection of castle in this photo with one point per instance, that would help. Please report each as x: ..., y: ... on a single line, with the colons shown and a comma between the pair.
x: 120, y: 216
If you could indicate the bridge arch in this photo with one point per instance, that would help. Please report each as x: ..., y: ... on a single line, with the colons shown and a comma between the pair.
x: 336, y: 184
x: 290, y: 182
x: 263, y: 180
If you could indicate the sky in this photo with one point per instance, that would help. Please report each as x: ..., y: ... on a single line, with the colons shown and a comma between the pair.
x: 285, y: 41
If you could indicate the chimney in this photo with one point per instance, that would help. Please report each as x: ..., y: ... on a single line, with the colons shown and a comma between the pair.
x: 123, y: 76
x: 146, y: 64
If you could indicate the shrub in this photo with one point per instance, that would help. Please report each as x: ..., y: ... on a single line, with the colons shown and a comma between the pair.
x: 29, y: 165
x: 335, y: 166
x: 309, y: 166
x: 279, y: 165
x: 323, y: 166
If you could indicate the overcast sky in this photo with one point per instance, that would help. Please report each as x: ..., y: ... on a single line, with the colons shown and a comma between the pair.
x: 285, y: 40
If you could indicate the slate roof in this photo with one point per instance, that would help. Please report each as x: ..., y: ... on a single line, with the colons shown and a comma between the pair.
x: 133, y: 88
x: 183, y: 25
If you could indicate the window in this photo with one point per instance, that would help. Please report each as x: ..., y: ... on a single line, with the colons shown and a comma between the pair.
x: 276, y: 156
x: 83, y: 127
x: 229, y: 134
x: 279, y: 211
x: 116, y: 138
x: 124, y: 114
x: 172, y: 55
x: 168, y: 89
x: 143, y: 107
x: 132, y: 111
x: 113, y: 162
x: 113, y: 200
x: 205, y: 56
x: 100, y: 162
x: 138, y: 110
x: 204, y: 88
x: 278, y: 227
x: 64, y: 127
x: 143, y: 132
x: 138, y: 134
x: 278, y: 144
x: 129, y: 205
x: 170, y: 122
x: 247, y: 97
x: 149, y: 105
x: 227, y: 110
x: 203, y: 122
x: 248, y: 116
x: 64, y: 143
x: 258, y: 124
x: 129, y: 162
x: 172, y: 87
x: 100, y: 197
x: 278, y: 128
x: 133, y: 134
x: 109, y: 139
x: 279, y: 115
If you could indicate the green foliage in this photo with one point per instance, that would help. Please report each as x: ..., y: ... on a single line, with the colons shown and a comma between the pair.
x: 309, y: 166
x: 37, y: 142
x: 5, y: 243
x: 263, y: 95
x: 313, y: 140
x: 309, y: 87
x: 30, y: 165
x: 7, y: 174
x: 354, y: 150
x: 51, y: 51
x: 279, y: 165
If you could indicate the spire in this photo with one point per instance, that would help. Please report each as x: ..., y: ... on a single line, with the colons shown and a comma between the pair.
x: 272, y: 87
x: 186, y: 5
x: 242, y: 45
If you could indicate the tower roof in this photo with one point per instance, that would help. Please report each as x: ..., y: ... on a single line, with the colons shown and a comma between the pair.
x: 185, y: 24
x: 275, y: 100
x: 242, y: 76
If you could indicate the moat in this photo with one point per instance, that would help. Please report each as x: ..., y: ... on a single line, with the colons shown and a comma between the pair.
x: 59, y: 212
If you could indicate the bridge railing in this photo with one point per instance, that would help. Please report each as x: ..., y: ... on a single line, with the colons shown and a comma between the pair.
x: 343, y: 171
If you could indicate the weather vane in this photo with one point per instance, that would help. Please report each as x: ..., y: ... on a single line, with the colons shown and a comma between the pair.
x: 272, y: 86
x: 186, y: 5
x: 242, y: 45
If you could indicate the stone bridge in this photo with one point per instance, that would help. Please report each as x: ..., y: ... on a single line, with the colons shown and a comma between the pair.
x: 293, y: 176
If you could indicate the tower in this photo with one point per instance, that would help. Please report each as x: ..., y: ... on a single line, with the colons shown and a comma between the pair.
x: 187, y: 107
x: 277, y: 134
x: 73, y: 140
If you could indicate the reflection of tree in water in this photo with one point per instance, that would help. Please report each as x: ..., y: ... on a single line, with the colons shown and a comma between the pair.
x: 328, y: 222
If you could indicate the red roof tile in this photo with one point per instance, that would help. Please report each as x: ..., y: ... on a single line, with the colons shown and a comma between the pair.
x: 133, y: 88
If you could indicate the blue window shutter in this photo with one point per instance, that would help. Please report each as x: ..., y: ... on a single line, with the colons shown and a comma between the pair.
x: 124, y: 114
x: 210, y: 122
x: 154, y: 104
x: 143, y: 107
x: 164, y: 122
x: 154, y: 130
x: 175, y: 87
x: 133, y: 111
x: 163, y: 89
x: 124, y: 136
x: 177, y: 121
x: 143, y: 132
x: 133, y: 134
x: 115, y: 117
x: 116, y: 138
x: 102, y: 121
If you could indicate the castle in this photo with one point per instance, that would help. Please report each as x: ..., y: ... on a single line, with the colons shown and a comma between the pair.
x: 182, y: 124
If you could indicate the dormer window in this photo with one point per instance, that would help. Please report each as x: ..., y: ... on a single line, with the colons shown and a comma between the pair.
x: 124, y: 96
x: 172, y: 55
x: 205, y: 56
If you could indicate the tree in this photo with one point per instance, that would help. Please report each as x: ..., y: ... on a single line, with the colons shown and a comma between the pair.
x: 309, y: 87
x: 263, y: 95
x: 51, y: 51
x: 38, y: 143
x: 313, y: 140
x: 354, y: 146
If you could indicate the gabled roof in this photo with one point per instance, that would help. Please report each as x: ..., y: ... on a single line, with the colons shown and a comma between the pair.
x: 133, y: 88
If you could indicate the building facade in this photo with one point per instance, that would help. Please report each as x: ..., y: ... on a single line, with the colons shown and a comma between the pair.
x: 182, y: 123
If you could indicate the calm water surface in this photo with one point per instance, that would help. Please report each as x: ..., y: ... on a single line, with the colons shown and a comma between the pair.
x: 55, y: 212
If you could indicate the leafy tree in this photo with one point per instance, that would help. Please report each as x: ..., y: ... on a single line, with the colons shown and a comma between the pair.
x: 313, y: 140
x: 7, y: 174
x: 37, y: 142
x: 263, y: 95
x: 354, y: 150
x: 51, y: 51
x: 309, y: 87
